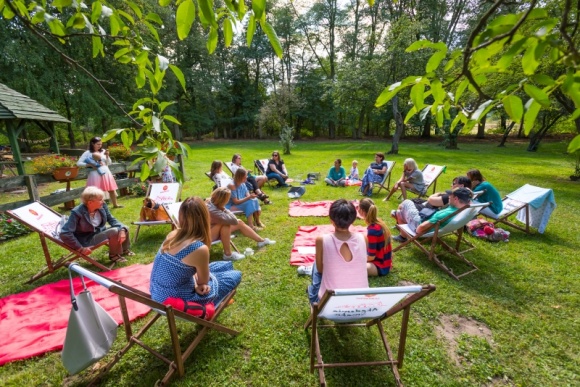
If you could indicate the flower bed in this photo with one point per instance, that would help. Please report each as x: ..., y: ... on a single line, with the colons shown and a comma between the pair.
x: 9, y: 228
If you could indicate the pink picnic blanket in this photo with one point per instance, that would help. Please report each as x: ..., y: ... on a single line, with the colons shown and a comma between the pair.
x: 34, y: 322
x: 298, y: 208
x: 303, y: 250
x: 353, y: 183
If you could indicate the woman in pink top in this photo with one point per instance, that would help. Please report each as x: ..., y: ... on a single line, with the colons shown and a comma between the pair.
x: 341, y: 257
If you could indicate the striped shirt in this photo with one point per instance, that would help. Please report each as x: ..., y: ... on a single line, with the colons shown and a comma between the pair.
x: 379, y: 249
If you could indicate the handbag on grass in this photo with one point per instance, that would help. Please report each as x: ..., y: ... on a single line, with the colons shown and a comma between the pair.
x: 90, y: 333
x: 152, y: 211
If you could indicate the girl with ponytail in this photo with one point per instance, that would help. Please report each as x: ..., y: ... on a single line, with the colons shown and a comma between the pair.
x: 379, y: 250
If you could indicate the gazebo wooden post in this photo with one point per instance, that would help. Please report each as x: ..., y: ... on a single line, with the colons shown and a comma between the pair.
x: 53, y: 139
x: 13, y: 131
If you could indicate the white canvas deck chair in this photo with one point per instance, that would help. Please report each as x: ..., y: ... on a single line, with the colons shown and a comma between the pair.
x: 428, y: 241
x: 363, y: 307
x: 262, y: 168
x: 162, y: 193
x: 387, y: 177
x: 46, y: 222
x: 166, y: 313
x: 229, y: 166
x: 533, y: 206
x: 431, y: 173
x: 173, y: 212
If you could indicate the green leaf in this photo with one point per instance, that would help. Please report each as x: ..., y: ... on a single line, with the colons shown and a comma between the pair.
x: 437, y: 91
x: 184, y: 18
x: 152, y: 30
x: 115, y: 25
x: 537, y: 13
x: 110, y: 134
x: 506, y: 20
x: 179, y: 75
x: 410, y: 114
x: 449, y: 65
x: 482, y: 110
x: 121, y: 52
x: 388, y: 93
x: 7, y: 13
x: 514, y: 107
x: 574, y: 145
x: 125, y: 139
x: 97, y: 7
x: 258, y: 6
x: 154, y: 18
x: 212, y: 40
x: 251, y: 30
x: 142, y: 58
x: 532, y: 110
x: 164, y: 3
x: 171, y: 119
x: 434, y: 61
x: 61, y: 3
x: 56, y: 27
x: 543, y: 79
x: 145, y: 171
x: 77, y: 21
x: 140, y: 78
x: 575, y: 115
x: 418, y: 45
x: 511, y: 53
x: 126, y: 16
x: 206, y: 7
x: 97, y: 46
x: 371, y: 2
x: 272, y: 37
x: 460, y: 89
x: 417, y: 97
x: 228, y: 32
x: 439, y: 116
x: 135, y: 9
x: 537, y: 94
x: 529, y: 62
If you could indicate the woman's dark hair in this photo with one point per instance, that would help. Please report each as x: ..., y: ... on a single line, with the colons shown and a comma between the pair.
x: 215, y: 167
x: 381, y: 155
x: 92, y: 143
x: 342, y: 213
x: 463, y: 180
x: 277, y: 153
x: 235, y: 156
x: 474, y: 174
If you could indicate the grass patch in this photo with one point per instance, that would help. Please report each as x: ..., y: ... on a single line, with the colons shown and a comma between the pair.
x: 526, y: 291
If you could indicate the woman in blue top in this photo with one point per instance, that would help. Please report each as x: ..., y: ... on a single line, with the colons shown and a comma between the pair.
x: 490, y: 194
x: 181, y: 268
x: 336, y: 175
x: 375, y: 173
x: 245, y: 201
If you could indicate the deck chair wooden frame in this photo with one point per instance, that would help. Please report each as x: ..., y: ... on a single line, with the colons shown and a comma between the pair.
x: 161, y: 195
x: 44, y: 220
x: 430, y: 177
x: 428, y: 241
x: 261, y: 167
x: 387, y: 177
x: 160, y: 311
x: 173, y: 212
x: 510, y: 207
x: 377, y: 304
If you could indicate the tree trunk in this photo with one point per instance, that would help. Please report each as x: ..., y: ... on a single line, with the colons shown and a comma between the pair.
x: 506, y: 132
x: 331, y: 130
x: 71, y: 134
x: 537, y: 137
x: 400, y: 127
x: 388, y: 127
x: 357, y: 133
x: 481, y: 128
x: 426, y: 133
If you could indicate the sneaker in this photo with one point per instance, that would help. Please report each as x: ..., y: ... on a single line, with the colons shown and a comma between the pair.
x: 304, y: 270
x: 399, y: 238
x: 266, y: 242
x: 234, y: 257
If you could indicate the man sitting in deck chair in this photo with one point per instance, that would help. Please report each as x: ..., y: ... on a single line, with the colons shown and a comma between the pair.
x: 86, y: 226
x: 409, y: 214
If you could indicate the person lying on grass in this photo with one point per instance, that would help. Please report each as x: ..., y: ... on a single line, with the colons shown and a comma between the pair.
x: 223, y: 223
x: 341, y: 256
x: 409, y: 215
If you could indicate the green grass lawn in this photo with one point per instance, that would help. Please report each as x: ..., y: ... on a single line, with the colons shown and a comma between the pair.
x: 526, y: 291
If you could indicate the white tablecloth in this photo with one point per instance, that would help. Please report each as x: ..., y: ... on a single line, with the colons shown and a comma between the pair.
x: 541, y: 204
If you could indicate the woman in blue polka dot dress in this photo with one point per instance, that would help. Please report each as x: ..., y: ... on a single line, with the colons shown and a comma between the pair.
x: 181, y: 268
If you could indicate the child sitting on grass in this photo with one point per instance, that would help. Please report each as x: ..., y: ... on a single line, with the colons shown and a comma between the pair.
x: 341, y: 257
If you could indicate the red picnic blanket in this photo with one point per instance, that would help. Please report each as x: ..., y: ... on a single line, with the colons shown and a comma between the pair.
x: 353, y: 183
x: 33, y: 323
x: 321, y: 208
x: 303, y: 250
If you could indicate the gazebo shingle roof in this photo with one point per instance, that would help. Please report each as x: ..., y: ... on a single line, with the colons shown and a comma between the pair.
x: 14, y: 105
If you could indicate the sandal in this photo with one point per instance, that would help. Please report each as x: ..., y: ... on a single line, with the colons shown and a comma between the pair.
x: 267, y: 201
x: 128, y: 253
x: 117, y: 258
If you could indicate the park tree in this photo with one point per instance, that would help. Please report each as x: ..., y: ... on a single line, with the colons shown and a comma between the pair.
x: 129, y: 33
x: 535, y: 32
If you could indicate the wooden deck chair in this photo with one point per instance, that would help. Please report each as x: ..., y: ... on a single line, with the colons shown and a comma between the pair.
x: 162, y: 193
x: 44, y: 221
x: 386, y: 178
x: 173, y: 212
x: 432, y: 237
x: 261, y: 168
x: 363, y: 307
x: 431, y: 173
x: 160, y: 311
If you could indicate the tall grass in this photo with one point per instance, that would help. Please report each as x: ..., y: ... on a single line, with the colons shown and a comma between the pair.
x: 526, y: 291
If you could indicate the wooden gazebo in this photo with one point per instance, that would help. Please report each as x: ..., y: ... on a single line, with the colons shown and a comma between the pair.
x: 16, y: 109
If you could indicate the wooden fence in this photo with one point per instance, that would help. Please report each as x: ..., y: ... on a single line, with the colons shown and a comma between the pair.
x: 31, y: 183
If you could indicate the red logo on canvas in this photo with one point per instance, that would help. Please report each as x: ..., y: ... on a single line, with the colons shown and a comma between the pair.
x: 370, y: 295
x: 165, y: 188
